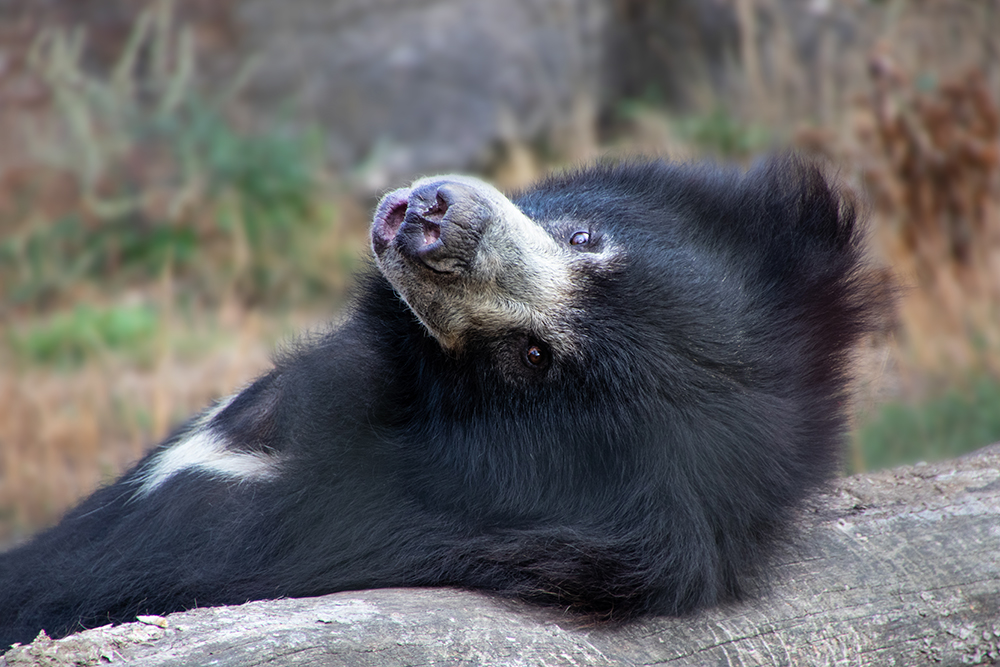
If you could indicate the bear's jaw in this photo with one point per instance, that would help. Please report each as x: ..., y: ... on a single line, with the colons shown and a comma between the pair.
x: 465, y: 259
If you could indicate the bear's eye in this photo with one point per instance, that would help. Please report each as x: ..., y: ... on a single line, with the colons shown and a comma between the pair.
x: 580, y: 238
x: 535, y: 356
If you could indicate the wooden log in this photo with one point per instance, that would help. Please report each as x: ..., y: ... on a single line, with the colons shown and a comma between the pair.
x: 896, y: 567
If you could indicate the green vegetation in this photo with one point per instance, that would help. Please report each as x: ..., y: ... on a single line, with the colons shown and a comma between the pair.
x: 957, y: 421
x: 262, y: 192
x: 137, y: 172
x: 718, y: 133
x: 721, y: 134
x: 66, y: 339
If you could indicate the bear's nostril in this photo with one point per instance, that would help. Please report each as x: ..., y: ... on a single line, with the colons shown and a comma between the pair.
x: 436, y: 212
x: 432, y: 231
x: 442, y: 224
x: 431, y: 219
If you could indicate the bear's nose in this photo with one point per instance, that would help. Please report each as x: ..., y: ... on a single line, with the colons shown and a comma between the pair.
x: 443, y: 223
x: 427, y: 208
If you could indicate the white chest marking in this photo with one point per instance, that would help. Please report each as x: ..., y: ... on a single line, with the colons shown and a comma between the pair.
x: 205, y: 451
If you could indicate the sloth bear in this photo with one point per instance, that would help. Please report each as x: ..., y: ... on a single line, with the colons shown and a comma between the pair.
x: 608, y: 393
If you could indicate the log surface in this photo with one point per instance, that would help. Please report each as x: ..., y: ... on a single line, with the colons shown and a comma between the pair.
x: 899, y: 567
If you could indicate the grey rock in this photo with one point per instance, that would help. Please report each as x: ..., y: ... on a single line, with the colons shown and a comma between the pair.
x: 402, y: 87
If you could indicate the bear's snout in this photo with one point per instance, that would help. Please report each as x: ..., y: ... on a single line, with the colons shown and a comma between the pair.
x: 438, y: 224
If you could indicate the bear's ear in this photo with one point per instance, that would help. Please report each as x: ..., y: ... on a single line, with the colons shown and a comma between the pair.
x: 813, y: 204
x: 249, y: 423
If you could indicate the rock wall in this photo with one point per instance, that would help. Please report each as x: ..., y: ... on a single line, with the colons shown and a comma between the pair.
x: 408, y: 86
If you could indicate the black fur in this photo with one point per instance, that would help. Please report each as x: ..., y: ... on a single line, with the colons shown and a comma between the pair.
x: 647, y: 474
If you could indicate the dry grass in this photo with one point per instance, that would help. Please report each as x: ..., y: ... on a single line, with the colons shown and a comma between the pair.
x: 935, y: 174
x: 908, y: 114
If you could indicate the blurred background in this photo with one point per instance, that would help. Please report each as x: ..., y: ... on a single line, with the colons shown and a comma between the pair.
x: 183, y: 185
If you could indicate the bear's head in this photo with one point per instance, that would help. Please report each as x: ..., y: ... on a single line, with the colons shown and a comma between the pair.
x: 476, y: 269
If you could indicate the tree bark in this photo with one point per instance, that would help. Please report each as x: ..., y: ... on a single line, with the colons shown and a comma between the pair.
x: 896, y: 567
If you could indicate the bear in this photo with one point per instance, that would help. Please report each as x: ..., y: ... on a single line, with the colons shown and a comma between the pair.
x: 610, y: 392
